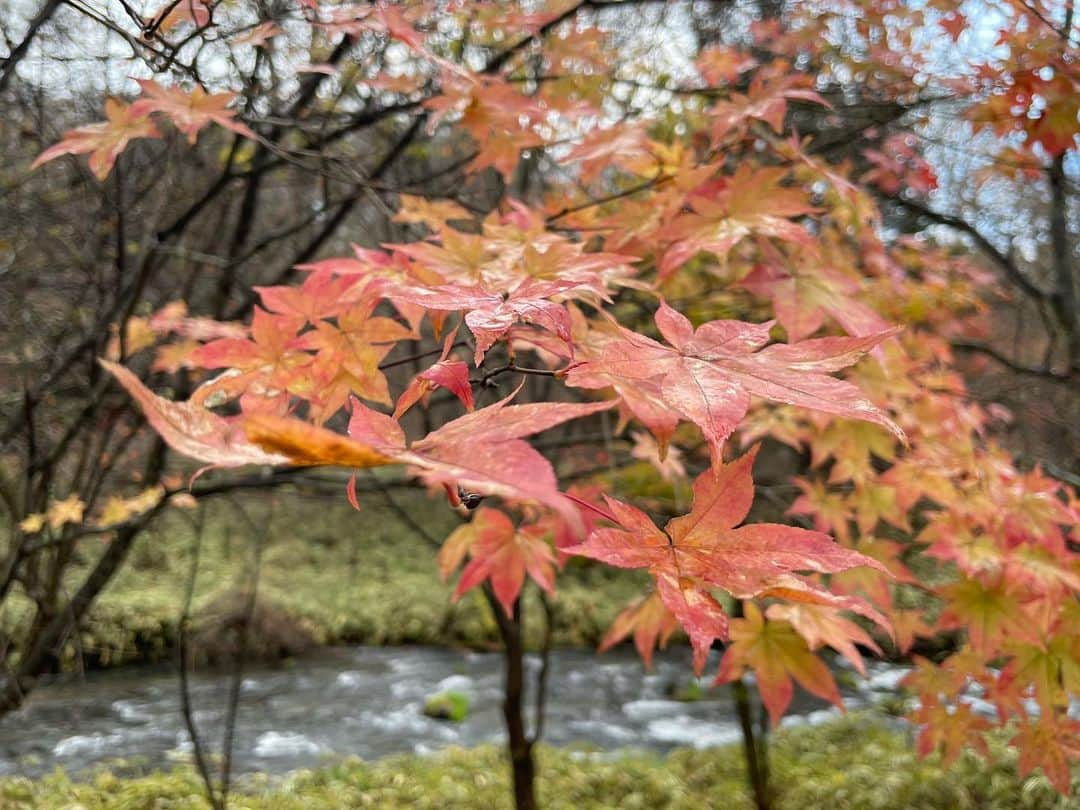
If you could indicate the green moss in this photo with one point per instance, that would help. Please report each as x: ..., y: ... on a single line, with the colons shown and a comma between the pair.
x: 850, y: 763
x: 688, y: 692
x: 452, y: 706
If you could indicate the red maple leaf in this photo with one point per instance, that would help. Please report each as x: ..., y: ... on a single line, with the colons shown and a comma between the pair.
x: 482, y: 451
x: 707, y: 375
x: 954, y: 24
x: 803, y: 293
x: 704, y: 549
x: 453, y: 375
x: 262, y: 368
x: 348, y: 357
x: 502, y: 554
x: 489, y: 314
x: 189, y: 112
x: 729, y: 209
x: 1050, y: 742
x: 820, y: 625
x: 191, y: 429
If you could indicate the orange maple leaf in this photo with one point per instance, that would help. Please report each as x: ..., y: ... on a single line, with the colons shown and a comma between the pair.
x: 104, y: 140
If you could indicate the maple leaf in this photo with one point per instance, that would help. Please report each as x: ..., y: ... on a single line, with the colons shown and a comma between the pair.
x: 727, y: 210
x: 489, y: 314
x: 191, y: 429
x: 990, y: 612
x: 821, y: 625
x: 649, y: 620
x: 1052, y: 743
x: 766, y: 101
x: 828, y: 509
x: 954, y: 24
x: 103, y: 141
x: 803, y: 294
x: 452, y: 375
x: 69, y: 510
x: 118, y: 510
x: 707, y: 375
x: 261, y: 369
x: 348, y: 357
x: 324, y: 294
x: 196, y: 12
x: 950, y: 729
x: 722, y: 64
x: 601, y: 148
x: 173, y: 319
x: 498, y: 116
x: 32, y: 523
x: 189, y: 112
x: 669, y: 466
x: 435, y: 214
x: 776, y: 653
x: 482, y: 451
x: 1051, y: 668
x: 703, y: 548
x: 701, y: 616
x: 502, y: 554
x: 909, y: 625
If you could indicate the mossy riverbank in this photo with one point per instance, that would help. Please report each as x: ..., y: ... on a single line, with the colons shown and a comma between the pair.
x: 328, y: 575
x: 852, y: 762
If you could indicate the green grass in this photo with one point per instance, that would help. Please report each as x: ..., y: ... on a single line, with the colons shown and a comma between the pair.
x: 852, y: 763
x: 342, y: 576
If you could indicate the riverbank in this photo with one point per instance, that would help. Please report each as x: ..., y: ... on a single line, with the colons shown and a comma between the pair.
x: 852, y: 762
x: 328, y: 575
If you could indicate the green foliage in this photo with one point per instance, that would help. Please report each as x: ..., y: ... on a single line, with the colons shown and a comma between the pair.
x: 341, y: 576
x: 849, y: 764
x: 453, y: 706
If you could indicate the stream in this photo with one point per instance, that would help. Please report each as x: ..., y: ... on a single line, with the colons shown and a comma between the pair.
x: 368, y: 702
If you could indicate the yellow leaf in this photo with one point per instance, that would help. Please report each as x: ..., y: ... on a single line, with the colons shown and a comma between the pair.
x: 32, y: 524
x: 69, y: 510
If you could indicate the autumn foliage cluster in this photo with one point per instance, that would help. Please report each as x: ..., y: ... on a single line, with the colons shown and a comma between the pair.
x: 698, y: 272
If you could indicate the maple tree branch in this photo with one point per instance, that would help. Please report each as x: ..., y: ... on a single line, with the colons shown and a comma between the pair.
x: 511, y: 367
x: 403, y: 514
x: 1004, y: 263
x: 412, y: 358
x: 7, y: 67
x: 1072, y: 377
x: 573, y: 209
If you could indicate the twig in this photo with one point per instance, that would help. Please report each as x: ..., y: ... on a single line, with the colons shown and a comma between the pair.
x: 233, y: 707
x: 182, y: 664
x: 510, y: 367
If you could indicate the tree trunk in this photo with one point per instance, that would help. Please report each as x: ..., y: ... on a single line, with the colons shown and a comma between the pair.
x: 757, y: 769
x: 520, y: 746
x: 1064, y: 299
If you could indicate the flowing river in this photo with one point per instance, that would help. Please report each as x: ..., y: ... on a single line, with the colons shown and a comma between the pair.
x: 368, y: 702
